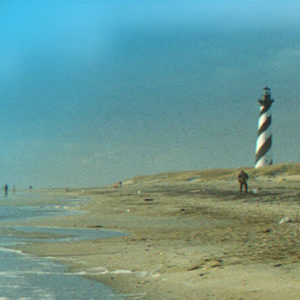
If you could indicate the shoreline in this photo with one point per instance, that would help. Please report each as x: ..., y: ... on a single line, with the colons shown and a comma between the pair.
x: 188, y: 240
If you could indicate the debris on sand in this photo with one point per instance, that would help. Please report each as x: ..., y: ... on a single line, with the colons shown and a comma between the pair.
x: 285, y: 220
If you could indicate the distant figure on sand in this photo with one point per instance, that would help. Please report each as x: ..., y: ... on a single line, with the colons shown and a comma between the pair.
x: 243, y: 177
x: 117, y: 185
x: 6, y: 189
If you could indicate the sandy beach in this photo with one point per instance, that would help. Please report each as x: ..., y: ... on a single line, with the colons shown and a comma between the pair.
x: 191, y: 235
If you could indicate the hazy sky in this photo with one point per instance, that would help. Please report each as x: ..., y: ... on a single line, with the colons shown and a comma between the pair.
x: 93, y: 92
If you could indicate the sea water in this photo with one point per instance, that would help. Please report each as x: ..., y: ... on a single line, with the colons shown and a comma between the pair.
x: 27, y: 277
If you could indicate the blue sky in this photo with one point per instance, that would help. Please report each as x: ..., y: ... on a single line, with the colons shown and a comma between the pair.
x: 94, y: 92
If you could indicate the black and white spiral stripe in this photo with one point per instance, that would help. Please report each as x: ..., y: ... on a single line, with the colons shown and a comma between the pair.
x: 264, y: 135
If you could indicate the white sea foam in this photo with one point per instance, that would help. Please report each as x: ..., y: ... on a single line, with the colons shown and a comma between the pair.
x: 92, y: 271
x: 121, y: 272
x: 35, y: 272
x: 104, y: 271
x: 12, y: 250
x: 9, y: 286
x: 8, y: 274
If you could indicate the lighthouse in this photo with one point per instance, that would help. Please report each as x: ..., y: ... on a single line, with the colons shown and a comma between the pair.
x: 263, y: 151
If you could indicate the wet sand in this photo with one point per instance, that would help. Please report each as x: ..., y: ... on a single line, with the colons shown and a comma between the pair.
x: 194, y: 236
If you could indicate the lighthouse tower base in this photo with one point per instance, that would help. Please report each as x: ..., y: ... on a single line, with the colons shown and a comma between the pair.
x: 264, y: 161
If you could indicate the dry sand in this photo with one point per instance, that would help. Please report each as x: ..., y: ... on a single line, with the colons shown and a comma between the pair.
x: 191, y: 235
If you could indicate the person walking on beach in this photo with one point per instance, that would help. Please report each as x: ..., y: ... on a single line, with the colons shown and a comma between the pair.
x: 6, y: 189
x: 242, y: 178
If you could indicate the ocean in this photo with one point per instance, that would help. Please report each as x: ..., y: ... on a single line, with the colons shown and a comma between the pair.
x: 24, y: 276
